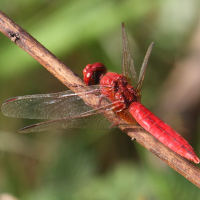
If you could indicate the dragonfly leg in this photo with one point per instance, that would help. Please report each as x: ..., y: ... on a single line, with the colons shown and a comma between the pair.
x: 115, y: 123
x: 120, y: 106
x: 117, y: 108
x: 100, y: 100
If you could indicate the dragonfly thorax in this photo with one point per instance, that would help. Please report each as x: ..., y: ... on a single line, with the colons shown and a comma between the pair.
x: 117, y: 88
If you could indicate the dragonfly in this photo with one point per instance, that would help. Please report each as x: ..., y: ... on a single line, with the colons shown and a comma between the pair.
x: 68, y: 110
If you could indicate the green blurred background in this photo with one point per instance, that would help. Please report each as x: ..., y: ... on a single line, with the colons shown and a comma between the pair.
x: 100, y: 164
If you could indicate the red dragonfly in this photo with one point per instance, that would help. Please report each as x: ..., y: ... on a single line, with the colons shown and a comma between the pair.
x: 68, y: 110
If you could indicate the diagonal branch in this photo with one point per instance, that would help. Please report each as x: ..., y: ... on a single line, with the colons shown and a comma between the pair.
x: 25, y: 41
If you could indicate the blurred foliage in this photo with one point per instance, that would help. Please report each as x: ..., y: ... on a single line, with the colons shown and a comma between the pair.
x: 87, y: 164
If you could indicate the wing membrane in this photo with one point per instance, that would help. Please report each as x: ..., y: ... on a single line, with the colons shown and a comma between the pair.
x: 66, y: 109
x: 128, y: 69
x: 143, y: 70
x: 45, y: 106
x: 90, y: 121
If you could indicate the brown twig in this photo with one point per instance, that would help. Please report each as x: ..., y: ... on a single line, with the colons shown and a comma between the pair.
x: 25, y: 41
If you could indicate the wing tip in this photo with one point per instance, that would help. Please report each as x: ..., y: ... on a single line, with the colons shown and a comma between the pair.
x: 150, y: 47
x: 27, y: 129
x: 8, y: 101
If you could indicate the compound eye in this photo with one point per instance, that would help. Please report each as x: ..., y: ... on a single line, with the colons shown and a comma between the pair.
x: 99, y: 70
x: 93, y: 73
x: 88, y: 66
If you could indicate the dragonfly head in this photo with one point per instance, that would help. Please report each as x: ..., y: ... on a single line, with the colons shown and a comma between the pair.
x: 93, y: 72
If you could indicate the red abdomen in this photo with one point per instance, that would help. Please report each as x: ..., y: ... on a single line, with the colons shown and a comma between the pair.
x: 162, y: 131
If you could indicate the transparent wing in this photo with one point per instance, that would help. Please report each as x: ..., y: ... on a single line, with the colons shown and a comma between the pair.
x: 89, y: 121
x: 128, y: 69
x: 46, y: 106
x: 143, y: 70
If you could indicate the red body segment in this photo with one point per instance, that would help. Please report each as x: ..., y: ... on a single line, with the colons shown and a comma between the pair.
x: 163, y: 132
x: 116, y: 88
